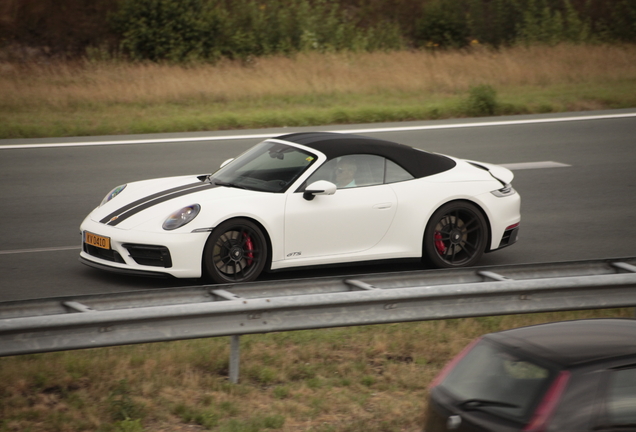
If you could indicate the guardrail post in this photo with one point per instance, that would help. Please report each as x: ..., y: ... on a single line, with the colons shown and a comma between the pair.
x: 234, y: 358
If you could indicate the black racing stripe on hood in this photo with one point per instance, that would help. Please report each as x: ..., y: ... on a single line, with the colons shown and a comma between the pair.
x: 167, y: 194
x: 159, y: 200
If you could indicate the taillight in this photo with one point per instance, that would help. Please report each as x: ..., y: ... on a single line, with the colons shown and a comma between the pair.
x: 449, y: 367
x: 548, y: 404
x: 505, y: 191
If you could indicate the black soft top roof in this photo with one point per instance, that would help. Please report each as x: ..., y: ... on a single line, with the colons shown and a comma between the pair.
x: 571, y: 343
x: 417, y: 162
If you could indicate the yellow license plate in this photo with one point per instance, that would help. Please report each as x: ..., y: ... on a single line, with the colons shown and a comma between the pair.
x: 96, y: 240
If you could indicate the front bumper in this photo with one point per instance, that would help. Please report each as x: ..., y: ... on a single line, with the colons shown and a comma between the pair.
x: 136, y: 252
x: 129, y: 272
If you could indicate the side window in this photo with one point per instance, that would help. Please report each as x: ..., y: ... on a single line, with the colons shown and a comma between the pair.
x: 395, y: 173
x: 621, y: 398
x: 351, y: 171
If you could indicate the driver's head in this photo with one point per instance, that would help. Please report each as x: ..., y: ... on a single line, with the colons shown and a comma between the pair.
x: 345, y: 172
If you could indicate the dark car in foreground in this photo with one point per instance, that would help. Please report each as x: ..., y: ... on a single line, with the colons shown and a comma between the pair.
x: 565, y: 376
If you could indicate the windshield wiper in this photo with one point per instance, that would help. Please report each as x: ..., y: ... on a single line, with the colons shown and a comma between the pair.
x: 480, y: 403
x: 228, y: 184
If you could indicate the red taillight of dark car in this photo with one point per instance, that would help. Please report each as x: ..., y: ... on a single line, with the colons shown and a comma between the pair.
x: 548, y: 404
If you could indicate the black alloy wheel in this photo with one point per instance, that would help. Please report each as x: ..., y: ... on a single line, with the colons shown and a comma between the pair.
x: 455, y: 236
x: 236, y: 251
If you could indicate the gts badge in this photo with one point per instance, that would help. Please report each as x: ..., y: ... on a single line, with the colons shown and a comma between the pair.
x: 294, y: 254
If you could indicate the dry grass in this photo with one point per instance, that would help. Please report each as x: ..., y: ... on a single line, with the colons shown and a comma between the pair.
x: 66, y: 85
x: 358, y: 379
x: 89, y: 98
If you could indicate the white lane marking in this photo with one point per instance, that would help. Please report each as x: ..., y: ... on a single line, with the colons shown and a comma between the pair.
x: 49, y: 249
x: 358, y: 131
x: 534, y: 165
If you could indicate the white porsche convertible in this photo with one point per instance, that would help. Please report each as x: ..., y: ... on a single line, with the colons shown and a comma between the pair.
x: 305, y: 199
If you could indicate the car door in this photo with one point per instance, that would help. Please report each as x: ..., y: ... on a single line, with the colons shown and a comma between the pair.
x: 352, y: 220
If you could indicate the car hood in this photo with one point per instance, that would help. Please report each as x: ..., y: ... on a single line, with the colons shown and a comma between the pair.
x: 150, y: 202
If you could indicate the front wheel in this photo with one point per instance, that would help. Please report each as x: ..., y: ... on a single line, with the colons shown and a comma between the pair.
x: 455, y: 236
x: 236, y: 251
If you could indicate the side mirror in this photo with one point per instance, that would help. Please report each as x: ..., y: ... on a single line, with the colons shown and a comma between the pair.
x: 321, y: 187
x: 226, y: 162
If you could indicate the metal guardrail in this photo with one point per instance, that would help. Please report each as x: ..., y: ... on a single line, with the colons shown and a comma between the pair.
x: 91, y: 321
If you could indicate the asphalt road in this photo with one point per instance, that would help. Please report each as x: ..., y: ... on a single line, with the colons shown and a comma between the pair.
x: 584, y: 210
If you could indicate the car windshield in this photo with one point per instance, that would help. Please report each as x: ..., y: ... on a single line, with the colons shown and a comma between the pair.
x: 494, y: 380
x: 269, y: 167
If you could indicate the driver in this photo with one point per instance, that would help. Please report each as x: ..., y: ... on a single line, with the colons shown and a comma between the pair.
x: 345, y: 173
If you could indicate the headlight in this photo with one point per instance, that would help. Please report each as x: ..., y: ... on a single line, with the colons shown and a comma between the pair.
x: 112, y: 194
x: 181, y: 217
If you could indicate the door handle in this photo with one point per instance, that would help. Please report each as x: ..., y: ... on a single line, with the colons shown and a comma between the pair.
x: 382, y: 206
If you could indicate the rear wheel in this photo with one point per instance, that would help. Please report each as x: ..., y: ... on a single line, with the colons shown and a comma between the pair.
x: 236, y: 251
x: 455, y: 236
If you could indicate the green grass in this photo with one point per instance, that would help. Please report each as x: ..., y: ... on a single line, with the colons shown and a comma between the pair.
x: 117, y: 98
x: 299, y: 111
x: 354, y: 379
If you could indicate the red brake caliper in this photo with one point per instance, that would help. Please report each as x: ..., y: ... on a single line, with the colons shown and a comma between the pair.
x: 439, y: 243
x: 249, y: 249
